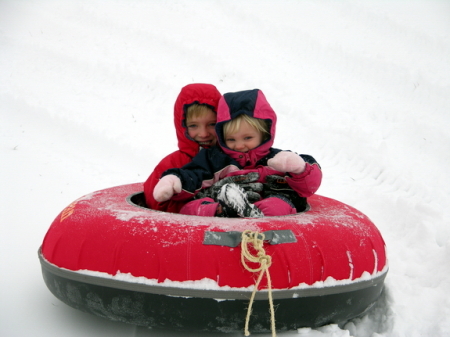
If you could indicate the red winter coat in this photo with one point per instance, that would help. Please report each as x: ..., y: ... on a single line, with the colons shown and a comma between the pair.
x: 187, y: 148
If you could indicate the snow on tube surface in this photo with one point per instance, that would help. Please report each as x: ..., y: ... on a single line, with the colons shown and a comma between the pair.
x: 107, y: 254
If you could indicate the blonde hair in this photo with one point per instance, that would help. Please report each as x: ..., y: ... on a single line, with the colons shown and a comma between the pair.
x: 197, y: 110
x: 234, y: 125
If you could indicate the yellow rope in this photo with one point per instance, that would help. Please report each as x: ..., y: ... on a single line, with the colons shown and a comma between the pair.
x: 257, y: 240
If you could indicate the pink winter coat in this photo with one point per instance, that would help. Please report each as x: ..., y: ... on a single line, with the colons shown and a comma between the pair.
x: 211, y: 165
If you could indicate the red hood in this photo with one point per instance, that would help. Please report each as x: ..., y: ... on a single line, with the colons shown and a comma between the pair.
x: 192, y: 93
x: 254, y: 104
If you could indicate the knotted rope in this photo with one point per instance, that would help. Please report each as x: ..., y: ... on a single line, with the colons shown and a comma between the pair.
x: 256, y: 240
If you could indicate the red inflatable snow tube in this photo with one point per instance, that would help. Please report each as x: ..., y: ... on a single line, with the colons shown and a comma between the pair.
x: 106, y: 253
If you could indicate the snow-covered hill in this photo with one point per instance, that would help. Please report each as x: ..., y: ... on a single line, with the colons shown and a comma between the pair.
x: 86, y: 98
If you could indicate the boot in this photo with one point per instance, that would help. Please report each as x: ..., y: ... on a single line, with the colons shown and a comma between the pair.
x: 234, y: 203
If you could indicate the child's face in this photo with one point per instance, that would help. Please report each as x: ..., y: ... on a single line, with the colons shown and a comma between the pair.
x: 245, y: 139
x: 202, y: 128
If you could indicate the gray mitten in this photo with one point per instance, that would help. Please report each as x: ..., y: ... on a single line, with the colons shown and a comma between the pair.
x: 278, y: 186
x: 275, y: 184
x: 246, y: 181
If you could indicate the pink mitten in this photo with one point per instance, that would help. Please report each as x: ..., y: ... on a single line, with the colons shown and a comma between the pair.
x: 286, y: 161
x: 166, y: 187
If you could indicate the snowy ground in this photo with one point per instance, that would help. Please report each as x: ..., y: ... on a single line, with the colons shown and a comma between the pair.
x: 86, y: 98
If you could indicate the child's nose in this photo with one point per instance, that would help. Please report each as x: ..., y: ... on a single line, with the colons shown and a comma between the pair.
x: 203, y: 132
x: 240, y: 145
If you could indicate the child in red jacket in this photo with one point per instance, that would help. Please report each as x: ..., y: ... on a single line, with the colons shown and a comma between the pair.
x: 195, y: 118
x: 245, y: 131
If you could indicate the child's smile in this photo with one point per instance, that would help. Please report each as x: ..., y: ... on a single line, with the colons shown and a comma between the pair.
x: 245, y: 139
x: 202, y: 129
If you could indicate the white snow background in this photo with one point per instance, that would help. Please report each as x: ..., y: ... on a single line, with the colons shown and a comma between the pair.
x: 86, y: 102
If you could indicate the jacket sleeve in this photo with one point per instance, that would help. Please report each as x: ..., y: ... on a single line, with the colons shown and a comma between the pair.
x: 307, y: 182
x: 175, y: 159
x: 204, y: 169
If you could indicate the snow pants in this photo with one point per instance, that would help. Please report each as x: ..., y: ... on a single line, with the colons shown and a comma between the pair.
x: 271, y: 206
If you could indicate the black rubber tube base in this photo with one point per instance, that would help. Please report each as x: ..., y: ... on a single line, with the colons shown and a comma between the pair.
x: 206, y: 314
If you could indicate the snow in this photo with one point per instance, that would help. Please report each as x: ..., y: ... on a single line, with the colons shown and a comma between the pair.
x: 233, y: 196
x: 86, y: 97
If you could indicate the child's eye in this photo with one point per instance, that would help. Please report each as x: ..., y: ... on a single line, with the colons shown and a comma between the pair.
x: 212, y: 124
x: 248, y: 138
x: 191, y: 126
